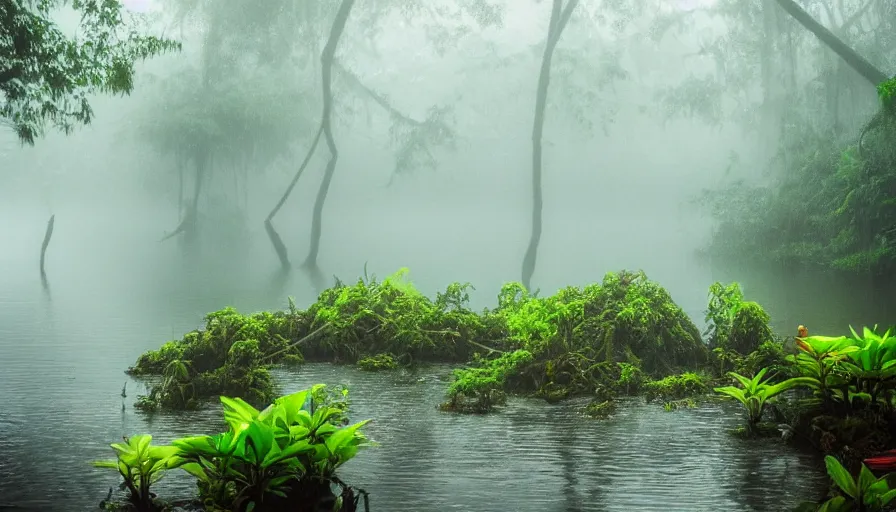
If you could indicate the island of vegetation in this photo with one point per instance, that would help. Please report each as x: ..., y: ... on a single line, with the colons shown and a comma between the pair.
x: 622, y: 337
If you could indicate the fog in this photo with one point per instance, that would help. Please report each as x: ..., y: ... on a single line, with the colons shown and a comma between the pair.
x: 620, y: 177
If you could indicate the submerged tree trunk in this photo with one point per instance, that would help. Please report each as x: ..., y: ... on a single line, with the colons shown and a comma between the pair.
x: 276, y: 241
x: 855, y: 61
x: 559, y: 17
x: 187, y: 225
x: 326, y: 61
x: 180, y: 190
x: 48, y: 234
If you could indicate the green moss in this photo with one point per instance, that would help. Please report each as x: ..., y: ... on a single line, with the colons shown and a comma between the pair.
x: 479, y: 389
x: 600, y: 409
x: 676, y: 387
x: 378, y: 363
x: 749, y: 328
x: 887, y: 92
x: 684, y: 403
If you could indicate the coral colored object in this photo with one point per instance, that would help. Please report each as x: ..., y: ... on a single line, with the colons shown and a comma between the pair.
x: 883, y: 462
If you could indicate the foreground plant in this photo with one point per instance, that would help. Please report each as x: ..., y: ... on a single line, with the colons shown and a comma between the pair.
x: 818, y: 358
x: 755, y: 393
x: 286, y: 453
x: 140, y: 464
x: 858, y: 371
x: 873, y: 365
x: 866, y: 493
x: 281, y: 458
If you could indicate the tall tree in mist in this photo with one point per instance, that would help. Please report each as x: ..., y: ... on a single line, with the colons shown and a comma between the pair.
x: 326, y: 127
x: 229, y: 115
x: 560, y: 15
x: 250, y: 100
x: 46, y: 76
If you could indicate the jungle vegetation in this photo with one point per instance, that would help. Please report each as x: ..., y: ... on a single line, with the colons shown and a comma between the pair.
x: 623, y: 337
x: 825, y: 108
x: 47, y: 75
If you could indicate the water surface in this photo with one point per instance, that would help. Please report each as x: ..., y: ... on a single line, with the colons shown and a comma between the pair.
x: 63, y: 351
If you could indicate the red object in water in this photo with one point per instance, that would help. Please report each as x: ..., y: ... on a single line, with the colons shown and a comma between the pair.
x: 883, y: 462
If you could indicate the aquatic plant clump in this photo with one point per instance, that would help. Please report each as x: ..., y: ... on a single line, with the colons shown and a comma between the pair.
x: 227, y: 357
x: 609, y: 335
x: 581, y: 341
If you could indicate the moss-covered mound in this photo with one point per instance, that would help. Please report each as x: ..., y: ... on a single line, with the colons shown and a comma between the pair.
x: 557, y: 346
x: 582, y: 341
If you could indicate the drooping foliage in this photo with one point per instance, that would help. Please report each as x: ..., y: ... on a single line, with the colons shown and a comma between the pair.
x: 46, y: 75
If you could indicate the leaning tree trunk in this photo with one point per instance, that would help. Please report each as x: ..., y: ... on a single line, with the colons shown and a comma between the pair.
x: 326, y: 62
x: 559, y: 17
x: 48, y: 234
x: 855, y: 61
x: 327, y: 57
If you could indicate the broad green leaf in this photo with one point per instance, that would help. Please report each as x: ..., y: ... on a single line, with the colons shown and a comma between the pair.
x: 343, y: 436
x: 841, y: 477
x: 866, y: 480
x: 237, y: 412
x: 837, y: 504
x: 733, y: 392
x: 887, y: 497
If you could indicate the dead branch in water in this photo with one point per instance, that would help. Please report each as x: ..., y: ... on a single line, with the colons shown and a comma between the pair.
x: 309, y: 337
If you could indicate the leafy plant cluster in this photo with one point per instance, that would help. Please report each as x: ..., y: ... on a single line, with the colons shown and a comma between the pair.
x: 596, y: 340
x: 852, y: 383
x: 227, y: 357
x: 739, y: 335
x: 281, y: 458
x: 603, y: 336
x: 887, y: 92
x: 866, y: 493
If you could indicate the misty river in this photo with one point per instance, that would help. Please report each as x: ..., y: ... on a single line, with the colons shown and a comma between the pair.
x: 63, y: 350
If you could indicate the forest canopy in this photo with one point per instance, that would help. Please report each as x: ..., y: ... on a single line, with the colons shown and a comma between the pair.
x: 46, y: 75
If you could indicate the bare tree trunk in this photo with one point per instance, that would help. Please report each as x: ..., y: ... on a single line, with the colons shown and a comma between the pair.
x: 180, y: 189
x: 187, y: 225
x: 276, y: 241
x: 559, y: 17
x: 770, y: 115
x: 326, y: 61
x: 48, y: 234
x: 855, y: 61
